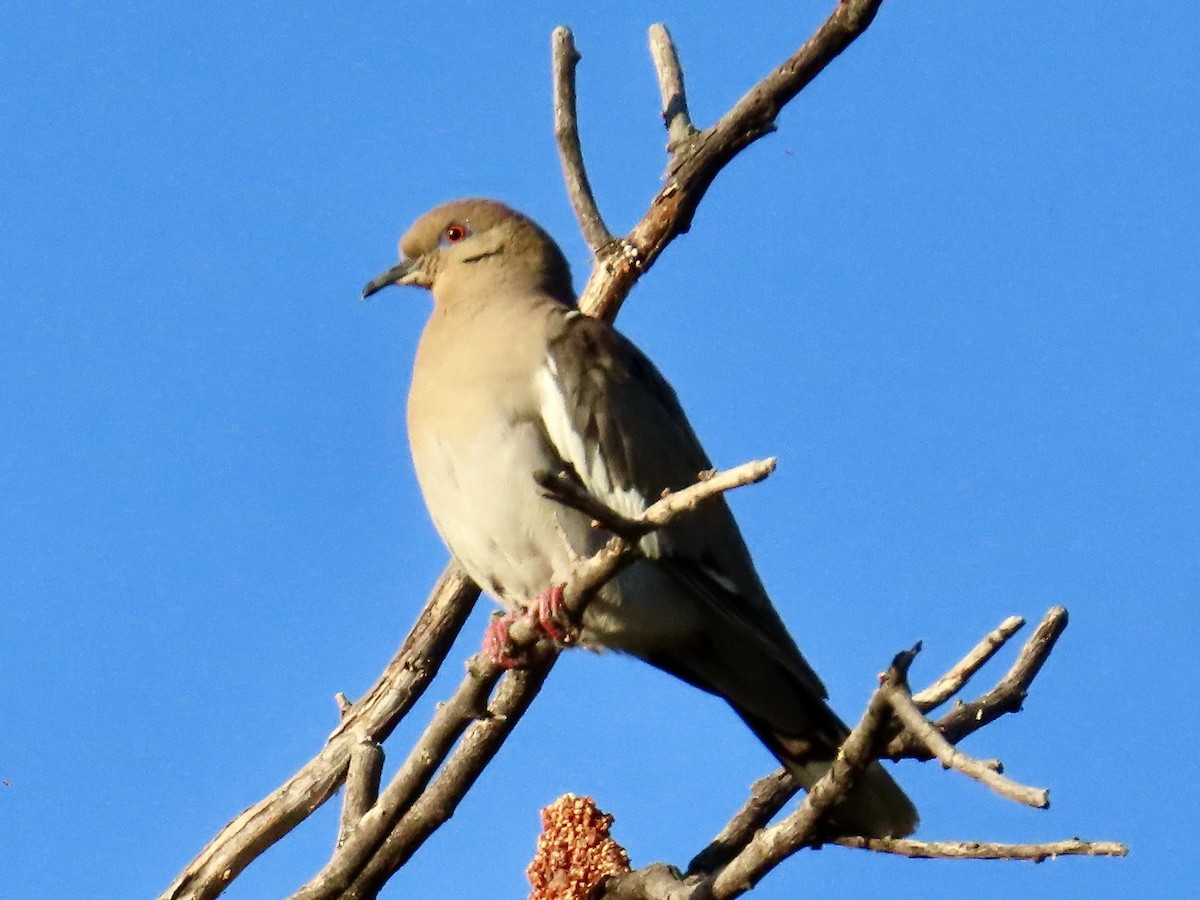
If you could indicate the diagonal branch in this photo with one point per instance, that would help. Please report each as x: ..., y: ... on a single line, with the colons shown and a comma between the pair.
x: 983, y: 849
x: 952, y: 758
x: 670, y: 87
x: 364, y: 836
x: 768, y: 796
x: 564, y: 58
x: 568, y: 491
x: 362, y: 786
x: 772, y: 845
x: 769, y: 846
x: 439, y: 801
x: 373, y: 717
x: 695, y: 162
x: 957, y: 677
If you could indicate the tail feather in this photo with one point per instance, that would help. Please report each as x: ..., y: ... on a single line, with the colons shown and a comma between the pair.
x: 876, y: 806
x: 760, y: 673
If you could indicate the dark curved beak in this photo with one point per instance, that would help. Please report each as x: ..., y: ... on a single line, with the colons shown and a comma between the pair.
x: 393, y: 275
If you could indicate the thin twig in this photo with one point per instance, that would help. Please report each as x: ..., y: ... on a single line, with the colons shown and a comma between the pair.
x: 566, y: 132
x: 953, y: 758
x: 399, y: 686
x: 1010, y: 692
x: 568, y: 491
x: 675, y: 113
x: 772, y: 845
x: 768, y: 796
x: 697, y: 162
x: 591, y: 573
x: 956, y: 679
x: 982, y: 849
x: 439, y: 801
x: 1005, y: 697
x: 709, y: 485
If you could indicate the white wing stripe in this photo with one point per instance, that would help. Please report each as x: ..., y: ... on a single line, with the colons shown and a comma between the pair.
x: 589, y: 462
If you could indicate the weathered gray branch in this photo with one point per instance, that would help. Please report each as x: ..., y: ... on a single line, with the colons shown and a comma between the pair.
x: 983, y: 849
x: 438, y: 802
x: 564, y: 58
x: 773, y: 844
x: 748, y: 848
x: 670, y: 87
x: 957, y: 677
x: 1005, y: 697
x: 951, y: 757
x: 372, y: 718
x: 696, y: 161
x: 768, y: 796
x: 362, y: 786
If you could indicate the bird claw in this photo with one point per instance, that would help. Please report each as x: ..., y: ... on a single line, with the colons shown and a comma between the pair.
x: 546, y: 612
x: 497, y: 645
x: 552, y: 616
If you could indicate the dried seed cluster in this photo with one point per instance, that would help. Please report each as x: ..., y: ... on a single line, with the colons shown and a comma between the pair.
x: 574, y: 851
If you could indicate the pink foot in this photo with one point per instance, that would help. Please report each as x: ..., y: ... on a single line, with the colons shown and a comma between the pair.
x: 496, y: 644
x: 546, y: 612
x: 548, y: 608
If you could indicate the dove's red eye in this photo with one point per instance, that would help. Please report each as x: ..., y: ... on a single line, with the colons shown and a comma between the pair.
x: 455, y: 233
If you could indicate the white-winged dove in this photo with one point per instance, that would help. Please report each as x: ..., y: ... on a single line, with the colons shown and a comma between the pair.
x: 511, y: 380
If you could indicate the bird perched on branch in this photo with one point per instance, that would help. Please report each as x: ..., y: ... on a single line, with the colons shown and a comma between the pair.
x: 510, y: 381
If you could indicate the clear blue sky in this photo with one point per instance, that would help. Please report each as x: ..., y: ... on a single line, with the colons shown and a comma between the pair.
x: 956, y: 294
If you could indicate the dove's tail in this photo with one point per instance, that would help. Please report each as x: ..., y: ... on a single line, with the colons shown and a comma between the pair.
x: 876, y: 806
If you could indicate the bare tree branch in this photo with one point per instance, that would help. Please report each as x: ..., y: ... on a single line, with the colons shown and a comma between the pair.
x: 1005, y: 697
x: 438, y: 802
x: 373, y: 717
x: 670, y: 87
x: 695, y: 163
x: 957, y: 677
x: 569, y: 492
x: 983, y: 850
x: 770, y: 846
x: 588, y: 575
x: 468, y: 704
x: 953, y: 758
x: 768, y: 796
x: 362, y: 786
x: 566, y: 131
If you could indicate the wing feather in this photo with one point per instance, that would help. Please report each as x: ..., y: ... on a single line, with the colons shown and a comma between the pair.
x: 613, y: 418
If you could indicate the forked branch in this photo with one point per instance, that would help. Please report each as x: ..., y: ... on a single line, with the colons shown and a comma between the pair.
x: 749, y: 847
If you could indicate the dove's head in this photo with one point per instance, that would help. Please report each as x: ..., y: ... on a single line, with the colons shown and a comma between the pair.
x: 478, y: 248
